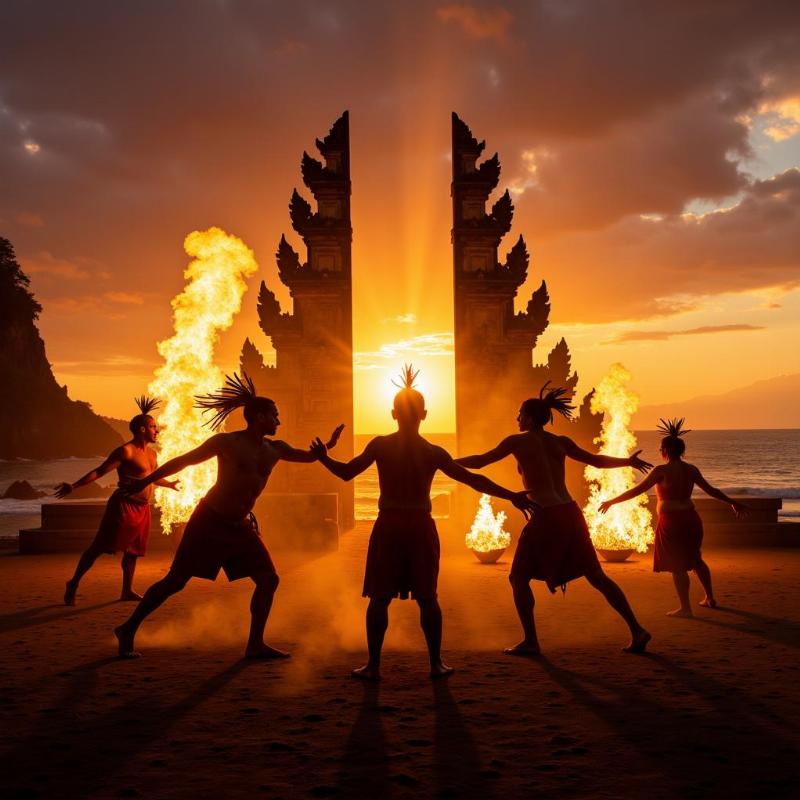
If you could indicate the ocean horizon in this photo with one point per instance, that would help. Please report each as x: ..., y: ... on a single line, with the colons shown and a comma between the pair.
x: 756, y: 462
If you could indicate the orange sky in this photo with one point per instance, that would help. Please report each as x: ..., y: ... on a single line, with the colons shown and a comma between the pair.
x: 653, y: 166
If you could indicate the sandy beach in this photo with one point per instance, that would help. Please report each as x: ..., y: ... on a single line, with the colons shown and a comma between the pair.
x: 710, y: 711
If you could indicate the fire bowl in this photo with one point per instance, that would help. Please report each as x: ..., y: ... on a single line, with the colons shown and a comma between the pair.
x: 489, y: 556
x: 615, y: 556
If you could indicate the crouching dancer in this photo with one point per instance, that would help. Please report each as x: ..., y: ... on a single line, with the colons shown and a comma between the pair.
x: 222, y: 532
x: 403, y: 554
x: 555, y: 546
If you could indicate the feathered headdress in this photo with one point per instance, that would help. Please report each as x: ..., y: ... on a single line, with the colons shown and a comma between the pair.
x: 556, y: 399
x: 236, y: 393
x: 407, y: 377
x: 147, y: 404
x: 673, y: 427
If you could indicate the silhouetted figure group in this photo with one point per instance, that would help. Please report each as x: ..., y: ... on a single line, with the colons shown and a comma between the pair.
x: 403, y: 554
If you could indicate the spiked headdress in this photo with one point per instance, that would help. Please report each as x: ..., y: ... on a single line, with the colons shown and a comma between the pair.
x: 673, y: 427
x: 556, y: 399
x: 236, y: 393
x: 407, y: 377
x: 147, y: 404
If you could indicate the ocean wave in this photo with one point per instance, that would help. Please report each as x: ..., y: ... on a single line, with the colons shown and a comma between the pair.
x: 788, y: 492
x: 788, y: 514
x: 20, y: 506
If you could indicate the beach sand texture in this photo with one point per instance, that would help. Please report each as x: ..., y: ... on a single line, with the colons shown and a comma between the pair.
x: 710, y: 711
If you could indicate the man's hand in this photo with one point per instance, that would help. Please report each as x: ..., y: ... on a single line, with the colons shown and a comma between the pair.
x: 604, y: 506
x: 524, y: 503
x: 318, y: 448
x: 639, y: 463
x: 740, y: 509
x: 331, y: 443
x: 175, y: 485
x: 63, y: 489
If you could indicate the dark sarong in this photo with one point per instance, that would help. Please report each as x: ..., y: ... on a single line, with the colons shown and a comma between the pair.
x: 403, y: 556
x: 212, y: 542
x: 555, y: 547
x: 679, y: 536
x: 125, y: 525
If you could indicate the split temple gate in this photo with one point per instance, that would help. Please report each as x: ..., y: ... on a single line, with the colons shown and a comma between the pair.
x: 494, y: 369
x: 312, y: 380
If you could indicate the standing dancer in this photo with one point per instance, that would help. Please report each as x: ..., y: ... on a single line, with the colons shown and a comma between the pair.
x: 403, y: 555
x: 222, y: 533
x: 555, y: 546
x: 126, y: 522
x: 679, y: 530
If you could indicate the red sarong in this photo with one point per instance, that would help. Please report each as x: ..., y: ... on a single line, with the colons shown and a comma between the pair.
x: 212, y: 542
x: 679, y: 536
x: 125, y: 525
x: 555, y: 547
x: 403, y: 556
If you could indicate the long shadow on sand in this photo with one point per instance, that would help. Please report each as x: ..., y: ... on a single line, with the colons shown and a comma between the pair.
x: 456, y: 760
x: 365, y: 763
x: 66, y: 757
x: 31, y: 617
x: 778, y: 630
x: 694, y: 750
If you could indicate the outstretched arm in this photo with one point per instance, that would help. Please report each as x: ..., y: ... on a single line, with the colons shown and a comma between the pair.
x: 601, y: 461
x: 489, y: 457
x: 346, y: 470
x: 740, y: 509
x: 650, y: 481
x: 209, y: 448
x: 289, y: 453
x: 111, y: 463
x: 483, y: 484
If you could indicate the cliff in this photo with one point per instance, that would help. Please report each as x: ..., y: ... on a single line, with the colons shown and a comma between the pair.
x: 37, y: 418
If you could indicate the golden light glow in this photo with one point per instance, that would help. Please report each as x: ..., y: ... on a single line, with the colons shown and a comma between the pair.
x: 626, y: 525
x: 487, y: 531
x: 216, y: 282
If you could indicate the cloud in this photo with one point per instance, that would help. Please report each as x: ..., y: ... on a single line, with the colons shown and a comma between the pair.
x: 45, y: 263
x: 116, y: 364
x: 430, y: 344
x: 403, y: 319
x: 647, y: 336
x: 476, y: 23
x: 124, y: 298
x: 29, y: 219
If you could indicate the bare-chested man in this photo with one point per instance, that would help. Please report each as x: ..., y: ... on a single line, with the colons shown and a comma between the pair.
x: 125, y: 524
x: 555, y: 546
x: 403, y: 555
x: 679, y: 530
x: 222, y: 533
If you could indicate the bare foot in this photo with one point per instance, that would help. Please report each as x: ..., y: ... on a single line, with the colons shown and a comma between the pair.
x: 441, y: 670
x: 125, y: 643
x: 265, y: 652
x: 681, y: 613
x: 367, y: 673
x: 131, y: 595
x: 69, y: 593
x: 638, y: 642
x: 708, y: 602
x: 524, y: 648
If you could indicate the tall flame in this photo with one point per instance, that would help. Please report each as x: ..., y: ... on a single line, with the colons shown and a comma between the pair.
x: 626, y: 525
x: 216, y: 282
x: 487, y: 531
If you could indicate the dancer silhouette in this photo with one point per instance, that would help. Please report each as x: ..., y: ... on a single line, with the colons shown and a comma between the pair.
x: 403, y: 555
x: 125, y: 524
x: 555, y: 546
x: 679, y: 530
x: 222, y: 532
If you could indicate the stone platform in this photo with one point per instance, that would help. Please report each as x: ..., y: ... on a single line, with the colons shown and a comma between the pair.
x: 305, y: 522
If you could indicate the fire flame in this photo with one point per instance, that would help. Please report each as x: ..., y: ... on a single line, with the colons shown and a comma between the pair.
x: 626, y: 525
x: 207, y: 305
x: 487, y: 531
